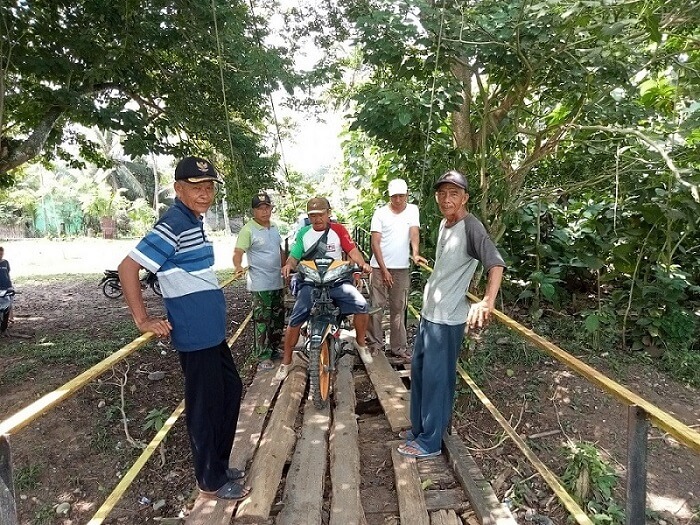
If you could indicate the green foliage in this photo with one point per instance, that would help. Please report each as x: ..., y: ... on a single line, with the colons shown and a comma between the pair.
x: 44, y: 514
x: 592, y: 481
x: 27, y: 477
x: 156, y: 418
x: 137, y: 68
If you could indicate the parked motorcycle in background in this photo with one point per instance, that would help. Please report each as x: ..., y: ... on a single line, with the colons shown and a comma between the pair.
x: 6, y: 300
x: 112, y: 287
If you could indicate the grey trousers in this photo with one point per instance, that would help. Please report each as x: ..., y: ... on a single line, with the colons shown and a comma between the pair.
x: 395, y: 298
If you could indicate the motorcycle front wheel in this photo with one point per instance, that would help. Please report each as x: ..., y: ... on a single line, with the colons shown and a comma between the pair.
x: 319, y: 374
x: 112, y: 288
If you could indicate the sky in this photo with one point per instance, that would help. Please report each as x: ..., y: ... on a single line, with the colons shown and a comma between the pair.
x: 315, y: 143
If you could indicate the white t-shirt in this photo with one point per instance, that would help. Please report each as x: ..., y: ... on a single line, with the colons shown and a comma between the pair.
x: 394, y: 227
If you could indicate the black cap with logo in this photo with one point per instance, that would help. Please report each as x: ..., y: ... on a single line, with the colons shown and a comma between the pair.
x: 196, y: 169
x: 260, y: 199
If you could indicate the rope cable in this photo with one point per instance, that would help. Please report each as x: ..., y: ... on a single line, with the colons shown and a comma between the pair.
x: 223, y: 93
x: 432, y: 97
x: 256, y: 32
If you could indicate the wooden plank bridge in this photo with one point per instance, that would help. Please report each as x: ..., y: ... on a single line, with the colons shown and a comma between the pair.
x: 339, y: 465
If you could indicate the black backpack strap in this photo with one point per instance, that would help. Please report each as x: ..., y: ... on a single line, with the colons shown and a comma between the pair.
x: 317, y: 249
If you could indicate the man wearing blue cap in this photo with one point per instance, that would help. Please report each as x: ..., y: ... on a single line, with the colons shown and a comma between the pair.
x: 178, y: 250
x: 462, y: 243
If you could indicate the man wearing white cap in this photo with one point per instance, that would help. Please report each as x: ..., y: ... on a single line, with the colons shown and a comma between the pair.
x: 395, y: 230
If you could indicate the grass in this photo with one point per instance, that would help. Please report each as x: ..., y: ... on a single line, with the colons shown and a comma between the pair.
x: 27, y: 478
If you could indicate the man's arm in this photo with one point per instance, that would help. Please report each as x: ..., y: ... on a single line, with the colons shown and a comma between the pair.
x: 414, y: 236
x: 238, y: 259
x: 289, y: 267
x: 131, y: 286
x: 356, y: 256
x: 376, y: 241
x: 480, y: 312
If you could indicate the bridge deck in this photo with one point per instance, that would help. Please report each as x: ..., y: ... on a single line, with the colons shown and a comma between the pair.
x: 307, y: 467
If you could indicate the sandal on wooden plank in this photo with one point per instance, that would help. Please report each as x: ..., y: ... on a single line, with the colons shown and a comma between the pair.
x: 231, y: 491
x: 412, y: 449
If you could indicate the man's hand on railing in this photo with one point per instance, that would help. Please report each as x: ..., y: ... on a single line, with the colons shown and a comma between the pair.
x: 160, y: 327
x: 479, y: 315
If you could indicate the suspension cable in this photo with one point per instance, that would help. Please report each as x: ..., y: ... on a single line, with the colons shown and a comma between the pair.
x: 432, y: 98
x: 223, y: 93
x: 256, y: 32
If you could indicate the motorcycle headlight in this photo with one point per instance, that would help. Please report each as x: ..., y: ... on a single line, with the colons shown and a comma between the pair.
x: 337, y: 272
x: 309, y: 273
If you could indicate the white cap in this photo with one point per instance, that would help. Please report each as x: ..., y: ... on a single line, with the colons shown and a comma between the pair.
x: 397, y: 187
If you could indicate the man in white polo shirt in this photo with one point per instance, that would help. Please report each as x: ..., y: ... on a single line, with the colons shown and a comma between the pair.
x: 394, y: 229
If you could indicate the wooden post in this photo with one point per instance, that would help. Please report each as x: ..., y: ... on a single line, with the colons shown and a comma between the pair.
x: 8, y: 509
x: 637, y: 431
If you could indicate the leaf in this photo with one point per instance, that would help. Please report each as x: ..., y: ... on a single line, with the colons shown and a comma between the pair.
x: 404, y: 118
x: 592, y: 322
x: 427, y: 483
x: 261, y: 409
x: 548, y: 290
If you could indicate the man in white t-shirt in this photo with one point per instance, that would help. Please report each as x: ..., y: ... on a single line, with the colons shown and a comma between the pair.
x: 395, y: 230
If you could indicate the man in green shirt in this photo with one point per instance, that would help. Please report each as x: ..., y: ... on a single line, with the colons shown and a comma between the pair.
x: 260, y: 240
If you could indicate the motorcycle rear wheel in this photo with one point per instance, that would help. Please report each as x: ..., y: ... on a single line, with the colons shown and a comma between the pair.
x: 319, y: 375
x: 112, y: 288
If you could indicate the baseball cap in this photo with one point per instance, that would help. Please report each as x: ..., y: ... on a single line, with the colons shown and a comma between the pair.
x: 317, y: 205
x: 452, y: 177
x: 398, y: 187
x: 196, y: 169
x: 261, y: 198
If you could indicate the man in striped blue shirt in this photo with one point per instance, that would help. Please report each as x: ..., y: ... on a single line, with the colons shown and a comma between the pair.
x: 178, y: 250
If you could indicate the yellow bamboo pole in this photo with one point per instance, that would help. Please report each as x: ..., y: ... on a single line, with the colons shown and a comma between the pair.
x: 663, y: 420
x: 129, y: 477
x: 30, y: 413
x: 24, y: 417
x: 552, y: 480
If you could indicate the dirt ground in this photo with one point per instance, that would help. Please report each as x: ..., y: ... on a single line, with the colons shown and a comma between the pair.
x: 77, y: 452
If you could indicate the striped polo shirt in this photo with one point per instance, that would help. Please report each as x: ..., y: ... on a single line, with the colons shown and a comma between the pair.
x: 178, y: 251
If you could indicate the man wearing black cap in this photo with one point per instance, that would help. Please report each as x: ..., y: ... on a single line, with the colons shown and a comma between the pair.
x: 178, y: 250
x: 261, y: 241
x: 462, y: 243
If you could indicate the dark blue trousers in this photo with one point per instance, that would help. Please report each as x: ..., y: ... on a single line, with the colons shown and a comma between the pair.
x: 433, y: 375
x: 213, y: 391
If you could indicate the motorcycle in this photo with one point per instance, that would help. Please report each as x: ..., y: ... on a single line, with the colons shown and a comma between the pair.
x: 6, y: 300
x: 323, y: 347
x: 112, y: 287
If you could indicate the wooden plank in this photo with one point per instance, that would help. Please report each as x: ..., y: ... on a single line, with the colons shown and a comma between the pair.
x: 412, y: 507
x: 303, y: 490
x: 8, y: 508
x: 277, y: 442
x: 446, y: 499
x: 483, y: 500
x: 445, y: 517
x: 391, y: 392
x: 254, y: 408
x: 436, y: 470
x: 346, y: 505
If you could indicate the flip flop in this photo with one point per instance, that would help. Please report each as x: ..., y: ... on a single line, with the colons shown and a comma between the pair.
x: 266, y: 364
x: 234, y: 474
x: 411, y: 449
x: 231, y: 491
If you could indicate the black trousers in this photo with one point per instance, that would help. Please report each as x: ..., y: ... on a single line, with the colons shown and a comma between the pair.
x: 213, y: 391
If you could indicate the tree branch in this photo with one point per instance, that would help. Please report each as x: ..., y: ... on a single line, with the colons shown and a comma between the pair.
x: 693, y: 188
x: 32, y: 146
